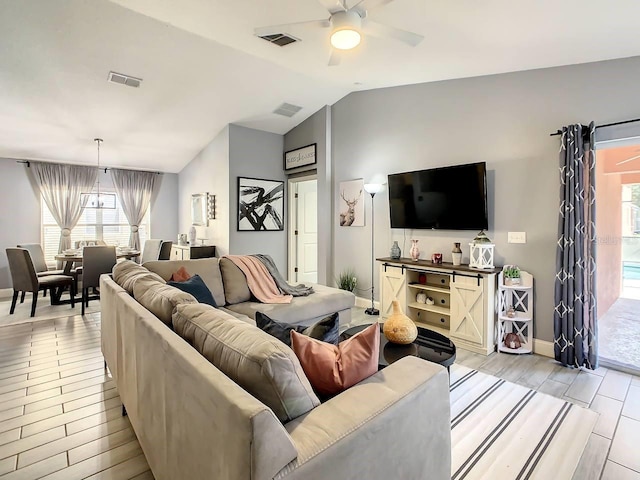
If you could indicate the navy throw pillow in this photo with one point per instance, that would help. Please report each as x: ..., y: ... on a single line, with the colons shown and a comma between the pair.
x: 325, y: 330
x: 196, y: 287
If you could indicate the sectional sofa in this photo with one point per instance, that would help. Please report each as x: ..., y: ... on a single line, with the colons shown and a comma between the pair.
x: 193, y: 400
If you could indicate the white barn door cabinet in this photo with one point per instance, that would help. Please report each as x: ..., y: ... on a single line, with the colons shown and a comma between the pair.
x: 456, y: 301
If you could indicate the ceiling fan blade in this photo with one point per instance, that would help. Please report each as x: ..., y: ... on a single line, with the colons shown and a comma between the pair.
x: 333, y: 6
x: 385, y: 31
x: 275, y: 29
x: 335, y: 58
x: 364, y: 5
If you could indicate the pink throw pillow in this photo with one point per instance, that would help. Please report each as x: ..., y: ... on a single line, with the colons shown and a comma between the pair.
x: 332, y: 369
x: 180, y: 276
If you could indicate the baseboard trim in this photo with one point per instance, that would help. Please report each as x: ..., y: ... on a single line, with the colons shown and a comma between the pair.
x: 366, y: 303
x: 544, y: 348
x: 6, y: 292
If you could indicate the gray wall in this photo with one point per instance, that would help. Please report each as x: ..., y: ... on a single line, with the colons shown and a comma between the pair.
x: 208, y: 172
x: 164, y: 208
x: 255, y: 154
x: 504, y: 120
x: 19, y: 212
x: 317, y: 129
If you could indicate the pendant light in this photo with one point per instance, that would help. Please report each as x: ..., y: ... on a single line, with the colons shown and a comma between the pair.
x: 99, y: 199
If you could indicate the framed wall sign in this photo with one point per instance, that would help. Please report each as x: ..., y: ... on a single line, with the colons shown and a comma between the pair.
x: 260, y: 204
x: 300, y: 157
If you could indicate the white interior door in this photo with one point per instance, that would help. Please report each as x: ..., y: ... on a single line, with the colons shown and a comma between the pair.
x: 306, y: 232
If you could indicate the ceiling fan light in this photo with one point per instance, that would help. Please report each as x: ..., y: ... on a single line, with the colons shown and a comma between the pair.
x: 345, y: 39
x: 345, y: 30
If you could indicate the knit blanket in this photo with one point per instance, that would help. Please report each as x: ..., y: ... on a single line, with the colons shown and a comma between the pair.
x: 259, y: 280
x: 285, y: 287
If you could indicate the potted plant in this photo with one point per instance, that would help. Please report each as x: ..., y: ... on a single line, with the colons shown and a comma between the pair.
x: 347, y: 280
x: 511, y: 274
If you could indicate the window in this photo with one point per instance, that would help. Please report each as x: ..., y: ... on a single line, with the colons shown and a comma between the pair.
x: 109, y: 225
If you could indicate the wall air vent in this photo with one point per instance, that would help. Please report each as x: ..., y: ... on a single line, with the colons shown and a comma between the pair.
x: 287, y: 110
x: 127, y: 80
x: 280, y: 39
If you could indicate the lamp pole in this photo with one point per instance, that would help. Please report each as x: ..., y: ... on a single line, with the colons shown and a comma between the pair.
x: 372, y: 189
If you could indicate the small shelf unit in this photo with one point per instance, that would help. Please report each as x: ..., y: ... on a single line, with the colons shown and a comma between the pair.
x: 520, y: 298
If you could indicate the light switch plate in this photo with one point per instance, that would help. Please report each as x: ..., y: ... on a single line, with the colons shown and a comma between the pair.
x: 517, y: 237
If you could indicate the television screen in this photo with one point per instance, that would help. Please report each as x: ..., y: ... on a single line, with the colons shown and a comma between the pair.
x: 449, y: 198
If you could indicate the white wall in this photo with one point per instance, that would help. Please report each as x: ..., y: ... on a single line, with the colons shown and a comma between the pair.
x: 504, y: 120
x: 208, y: 172
x: 255, y: 154
x: 317, y: 129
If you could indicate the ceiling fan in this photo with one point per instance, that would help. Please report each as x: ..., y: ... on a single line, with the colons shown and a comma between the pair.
x: 348, y: 24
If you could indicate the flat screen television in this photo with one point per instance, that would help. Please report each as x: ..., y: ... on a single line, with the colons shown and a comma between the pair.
x: 448, y: 198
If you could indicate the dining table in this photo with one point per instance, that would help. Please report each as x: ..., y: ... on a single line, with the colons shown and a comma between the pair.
x: 75, y: 257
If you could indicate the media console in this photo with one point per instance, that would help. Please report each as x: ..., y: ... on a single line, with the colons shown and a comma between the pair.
x: 463, y: 299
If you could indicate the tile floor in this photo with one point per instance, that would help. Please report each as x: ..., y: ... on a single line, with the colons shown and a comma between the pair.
x: 60, y: 414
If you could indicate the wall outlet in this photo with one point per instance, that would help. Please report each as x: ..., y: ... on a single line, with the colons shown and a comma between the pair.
x: 517, y: 237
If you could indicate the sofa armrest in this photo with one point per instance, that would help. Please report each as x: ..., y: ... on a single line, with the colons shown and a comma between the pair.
x: 395, y: 424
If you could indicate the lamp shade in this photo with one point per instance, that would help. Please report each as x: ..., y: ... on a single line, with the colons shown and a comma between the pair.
x: 345, y: 30
x: 373, y: 188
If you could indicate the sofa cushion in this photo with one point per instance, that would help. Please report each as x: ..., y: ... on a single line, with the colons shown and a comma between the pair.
x: 325, y: 330
x: 126, y: 273
x: 159, y: 298
x: 207, y: 268
x: 332, y: 369
x: 301, y: 310
x: 259, y: 363
x: 236, y: 289
x: 239, y: 316
x: 180, y: 276
x: 196, y: 287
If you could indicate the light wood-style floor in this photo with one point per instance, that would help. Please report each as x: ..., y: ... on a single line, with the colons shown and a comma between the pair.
x: 60, y: 414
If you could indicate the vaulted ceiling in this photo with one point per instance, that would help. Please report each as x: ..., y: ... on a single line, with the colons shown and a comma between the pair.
x: 203, y: 68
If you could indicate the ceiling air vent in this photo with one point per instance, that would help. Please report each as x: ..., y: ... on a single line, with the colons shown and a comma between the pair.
x: 280, y: 39
x: 124, y: 79
x: 287, y: 110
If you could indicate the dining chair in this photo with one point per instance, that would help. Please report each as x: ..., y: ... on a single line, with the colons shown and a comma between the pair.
x: 151, y: 250
x: 95, y: 261
x: 25, y: 279
x: 165, y: 250
x: 39, y: 263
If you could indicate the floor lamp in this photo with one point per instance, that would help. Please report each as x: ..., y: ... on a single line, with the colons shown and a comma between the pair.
x: 372, y: 189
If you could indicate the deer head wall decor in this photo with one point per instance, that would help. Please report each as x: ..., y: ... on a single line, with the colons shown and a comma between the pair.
x: 347, y: 218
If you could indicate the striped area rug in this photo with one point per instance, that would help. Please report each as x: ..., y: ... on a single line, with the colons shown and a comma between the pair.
x: 500, y: 430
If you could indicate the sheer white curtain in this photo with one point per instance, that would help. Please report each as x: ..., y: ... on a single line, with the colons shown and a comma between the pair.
x: 134, y: 189
x: 61, y: 187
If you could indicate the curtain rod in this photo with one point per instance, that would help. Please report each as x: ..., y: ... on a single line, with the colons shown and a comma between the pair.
x: 559, y: 132
x: 28, y: 163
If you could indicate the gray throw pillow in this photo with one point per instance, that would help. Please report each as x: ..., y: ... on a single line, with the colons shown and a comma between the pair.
x: 325, y: 330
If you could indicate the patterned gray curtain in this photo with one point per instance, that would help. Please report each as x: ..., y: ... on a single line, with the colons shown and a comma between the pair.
x: 134, y: 190
x: 575, y: 320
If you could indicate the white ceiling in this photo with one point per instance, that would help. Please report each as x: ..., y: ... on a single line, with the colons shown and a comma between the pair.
x: 203, y: 68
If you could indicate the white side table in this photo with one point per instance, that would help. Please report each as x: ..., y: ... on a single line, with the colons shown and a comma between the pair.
x: 520, y: 297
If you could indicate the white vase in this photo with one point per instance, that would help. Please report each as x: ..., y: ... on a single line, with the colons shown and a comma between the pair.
x: 192, y: 235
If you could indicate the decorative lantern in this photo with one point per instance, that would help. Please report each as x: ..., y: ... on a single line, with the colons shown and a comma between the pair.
x: 481, y: 256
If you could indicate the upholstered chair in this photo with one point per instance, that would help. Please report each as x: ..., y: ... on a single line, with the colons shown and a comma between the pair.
x: 26, y: 279
x: 39, y: 263
x: 165, y: 250
x: 95, y: 261
x: 151, y: 250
